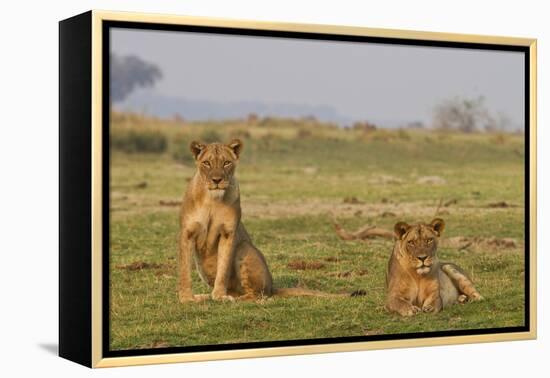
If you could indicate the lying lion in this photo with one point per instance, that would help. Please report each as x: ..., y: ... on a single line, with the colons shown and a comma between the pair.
x: 416, y: 280
x: 212, y: 233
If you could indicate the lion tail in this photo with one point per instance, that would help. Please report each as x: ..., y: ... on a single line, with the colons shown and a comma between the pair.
x: 299, y: 292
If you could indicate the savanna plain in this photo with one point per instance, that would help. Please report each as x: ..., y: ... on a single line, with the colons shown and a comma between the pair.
x: 297, y: 178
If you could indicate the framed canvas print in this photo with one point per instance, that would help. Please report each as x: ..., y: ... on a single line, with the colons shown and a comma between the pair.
x: 235, y: 189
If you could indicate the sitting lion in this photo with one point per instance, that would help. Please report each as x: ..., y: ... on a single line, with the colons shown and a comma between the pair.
x: 212, y: 233
x: 416, y: 280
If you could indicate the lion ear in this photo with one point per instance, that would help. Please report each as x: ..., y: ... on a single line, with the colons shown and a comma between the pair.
x: 438, y: 225
x: 196, y: 148
x: 237, y: 146
x: 400, y: 229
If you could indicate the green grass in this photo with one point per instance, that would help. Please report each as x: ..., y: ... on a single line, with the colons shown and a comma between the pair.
x: 289, y: 186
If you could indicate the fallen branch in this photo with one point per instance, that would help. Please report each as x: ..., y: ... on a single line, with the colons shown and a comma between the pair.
x: 438, y: 207
x: 367, y: 232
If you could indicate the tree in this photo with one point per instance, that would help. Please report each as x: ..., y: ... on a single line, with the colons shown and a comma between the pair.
x: 129, y: 72
x: 466, y: 115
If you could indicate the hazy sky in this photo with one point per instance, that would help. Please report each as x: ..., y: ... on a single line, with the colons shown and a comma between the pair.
x: 359, y: 80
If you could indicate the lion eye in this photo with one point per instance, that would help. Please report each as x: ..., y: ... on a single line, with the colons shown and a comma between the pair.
x: 206, y: 163
x: 227, y: 164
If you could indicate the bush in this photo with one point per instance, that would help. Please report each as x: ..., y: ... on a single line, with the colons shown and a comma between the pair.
x: 210, y: 136
x: 180, y: 149
x: 135, y: 141
x: 499, y: 138
x: 303, y: 133
x: 404, y: 135
x: 382, y: 135
x: 240, y: 134
x: 365, y: 126
x: 252, y: 119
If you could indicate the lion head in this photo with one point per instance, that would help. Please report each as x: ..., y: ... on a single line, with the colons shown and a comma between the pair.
x: 418, y: 244
x: 216, y: 163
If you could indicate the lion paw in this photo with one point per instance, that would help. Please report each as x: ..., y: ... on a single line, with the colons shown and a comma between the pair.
x: 201, y: 297
x: 462, y: 299
x: 476, y: 297
x: 428, y: 308
x: 410, y: 311
x: 223, y: 298
x: 186, y: 297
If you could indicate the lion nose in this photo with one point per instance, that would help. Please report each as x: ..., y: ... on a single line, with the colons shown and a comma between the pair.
x: 422, y: 258
x: 216, y: 180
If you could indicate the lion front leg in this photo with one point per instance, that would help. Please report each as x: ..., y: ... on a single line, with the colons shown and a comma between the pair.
x: 433, y: 303
x: 224, y: 265
x: 187, y: 246
x: 402, y: 306
x: 432, y: 296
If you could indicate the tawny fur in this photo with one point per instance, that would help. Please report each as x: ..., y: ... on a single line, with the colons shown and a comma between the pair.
x: 416, y: 280
x: 212, y: 234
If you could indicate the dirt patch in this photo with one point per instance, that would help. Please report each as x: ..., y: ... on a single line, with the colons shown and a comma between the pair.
x: 385, y: 180
x: 477, y: 244
x: 169, y: 203
x: 500, y: 205
x: 310, y: 170
x: 139, y: 265
x: 157, y: 344
x: 305, y: 265
x: 373, y: 332
x: 310, y: 207
x: 139, y: 185
x: 266, y: 209
x: 332, y: 259
x: 345, y: 274
x: 350, y: 273
x: 352, y: 201
x: 431, y: 180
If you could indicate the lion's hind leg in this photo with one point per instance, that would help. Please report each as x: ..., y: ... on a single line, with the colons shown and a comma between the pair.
x: 252, y: 274
x: 462, y: 282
